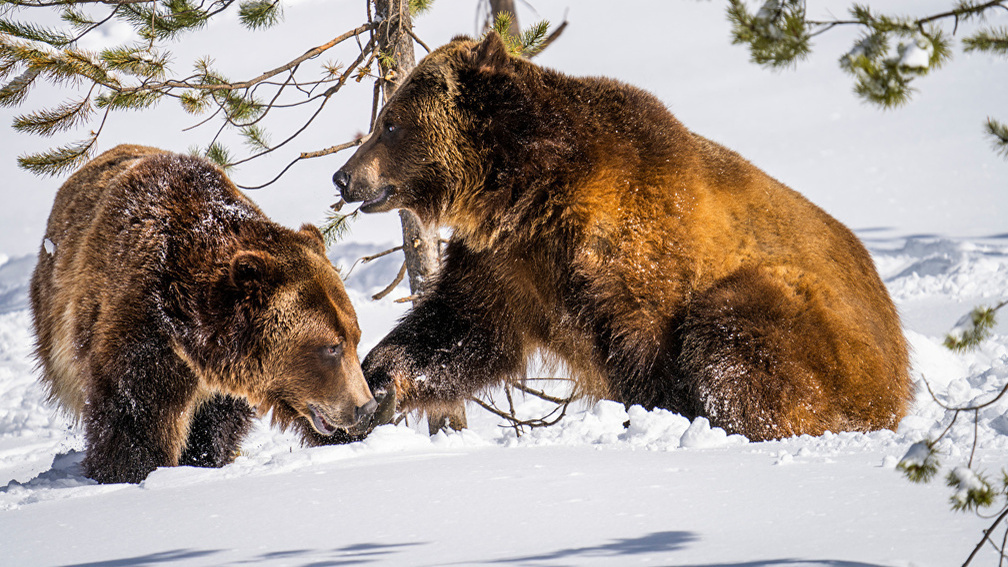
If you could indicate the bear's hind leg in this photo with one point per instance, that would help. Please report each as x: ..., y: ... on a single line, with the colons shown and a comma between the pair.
x: 216, y: 432
x: 756, y: 352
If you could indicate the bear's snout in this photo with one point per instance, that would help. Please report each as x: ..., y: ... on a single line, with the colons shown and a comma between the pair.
x: 326, y: 421
x: 363, y: 184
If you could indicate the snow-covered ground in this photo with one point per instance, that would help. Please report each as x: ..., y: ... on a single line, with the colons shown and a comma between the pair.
x: 919, y: 184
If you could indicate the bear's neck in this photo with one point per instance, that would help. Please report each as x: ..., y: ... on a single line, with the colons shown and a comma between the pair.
x: 558, y: 145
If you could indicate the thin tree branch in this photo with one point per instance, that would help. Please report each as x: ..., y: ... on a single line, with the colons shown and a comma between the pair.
x: 987, y: 534
x: 398, y: 279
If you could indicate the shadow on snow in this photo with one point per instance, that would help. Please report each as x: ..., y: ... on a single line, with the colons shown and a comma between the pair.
x: 356, y: 554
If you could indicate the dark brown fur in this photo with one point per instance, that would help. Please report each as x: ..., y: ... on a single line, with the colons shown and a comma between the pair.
x: 590, y: 224
x: 168, y: 310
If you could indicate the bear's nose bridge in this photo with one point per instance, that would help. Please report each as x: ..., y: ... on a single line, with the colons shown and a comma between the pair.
x: 356, y: 385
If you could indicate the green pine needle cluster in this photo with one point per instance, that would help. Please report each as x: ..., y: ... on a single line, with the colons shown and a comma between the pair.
x: 998, y: 134
x: 777, y: 33
x: 970, y: 490
x: 60, y: 159
x: 418, y: 7
x: 920, y: 463
x: 337, y: 225
x: 260, y: 14
x: 527, y: 44
x: 66, y: 116
x: 973, y: 329
x: 883, y: 75
x: 219, y: 154
x: 256, y: 137
x: 990, y: 40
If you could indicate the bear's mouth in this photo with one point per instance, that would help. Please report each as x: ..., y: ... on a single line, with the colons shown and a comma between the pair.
x: 320, y: 421
x: 378, y: 203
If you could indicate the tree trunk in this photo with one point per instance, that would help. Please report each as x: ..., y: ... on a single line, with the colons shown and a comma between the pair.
x: 420, y: 242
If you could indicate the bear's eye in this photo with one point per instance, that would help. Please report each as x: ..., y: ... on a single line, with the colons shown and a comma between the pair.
x: 335, y: 350
x: 391, y: 128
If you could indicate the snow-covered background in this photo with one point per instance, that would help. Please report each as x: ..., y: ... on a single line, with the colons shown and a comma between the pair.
x: 919, y: 185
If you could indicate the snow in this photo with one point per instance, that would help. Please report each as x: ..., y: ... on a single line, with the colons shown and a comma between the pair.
x: 916, y: 55
x: 607, y: 484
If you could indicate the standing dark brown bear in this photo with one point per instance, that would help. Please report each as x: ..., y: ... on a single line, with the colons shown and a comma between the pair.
x: 589, y: 224
x: 168, y: 310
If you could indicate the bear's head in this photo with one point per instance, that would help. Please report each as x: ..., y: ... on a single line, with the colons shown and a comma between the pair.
x: 299, y: 334
x: 442, y: 143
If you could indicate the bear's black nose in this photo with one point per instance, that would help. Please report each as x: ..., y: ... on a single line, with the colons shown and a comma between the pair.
x: 341, y: 180
x: 364, y: 412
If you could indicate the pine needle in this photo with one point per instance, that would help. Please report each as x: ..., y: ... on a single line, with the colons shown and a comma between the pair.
x: 62, y: 118
x: 998, y: 133
x: 337, y: 226
x: 260, y: 14
x: 58, y: 160
x: 255, y: 137
x: 991, y: 40
x: 14, y: 92
x: 219, y: 154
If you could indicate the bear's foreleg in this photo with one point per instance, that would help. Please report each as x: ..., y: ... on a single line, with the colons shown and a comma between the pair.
x: 137, y: 412
x: 216, y: 432
x: 462, y: 337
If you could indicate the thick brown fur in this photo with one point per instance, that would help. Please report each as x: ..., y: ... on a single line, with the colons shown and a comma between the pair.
x: 591, y: 225
x: 168, y: 310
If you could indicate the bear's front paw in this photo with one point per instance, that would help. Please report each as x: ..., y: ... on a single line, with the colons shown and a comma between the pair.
x: 383, y: 388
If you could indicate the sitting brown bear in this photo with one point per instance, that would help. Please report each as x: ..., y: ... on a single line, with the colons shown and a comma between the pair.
x: 662, y: 268
x: 167, y: 306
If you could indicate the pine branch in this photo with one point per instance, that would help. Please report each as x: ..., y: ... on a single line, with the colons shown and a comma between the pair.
x: 62, y: 118
x: 975, y: 327
x: 141, y: 62
x: 14, y: 92
x: 778, y: 35
x: 391, y: 286
x: 219, y: 155
x: 255, y: 137
x: 58, y: 160
x: 337, y: 226
x: 532, y: 39
x: 33, y: 32
x: 418, y: 7
x: 991, y: 40
x: 998, y: 133
x: 260, y: 14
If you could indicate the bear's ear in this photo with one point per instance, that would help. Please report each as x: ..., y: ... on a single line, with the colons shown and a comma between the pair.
x: 491, y: 53
x: 253, y: 272
x: 315, y: 236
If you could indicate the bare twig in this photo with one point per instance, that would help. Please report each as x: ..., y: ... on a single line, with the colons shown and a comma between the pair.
x: 388, y: 289
x: 418, y: 40
x: 987, y: 534
x: 519, y: 425
x: 366, y: 259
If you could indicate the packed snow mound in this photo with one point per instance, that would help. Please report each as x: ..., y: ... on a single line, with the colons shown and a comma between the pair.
x: 929, y: 267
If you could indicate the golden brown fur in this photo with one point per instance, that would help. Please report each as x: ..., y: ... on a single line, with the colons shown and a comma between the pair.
x: 589, y: 223
x: 167, y: 307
